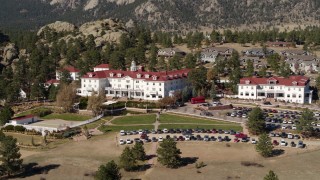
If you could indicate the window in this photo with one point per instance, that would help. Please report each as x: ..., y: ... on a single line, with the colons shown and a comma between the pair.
x: 154, y: 83
x: 137, y: 86
x: 159, y: 89
x: 251, y: 87
x: 241, y: 87
x: 294, y: 95
x: 119, y: 80
x: 119, y: 85
x: 288, y: 95
x: 153, y: 89
x: 271, y: 87
x: 137, y: 81
x: 252, y: 94
x: 288, y: 89
x: 247, y: 94
x: 147, y: 83
x: 299, y: 89
x: 299, y: 95
x: 84, y: 85
x: 128, y: 81
x: 241, y: 93
x: 160, y: 96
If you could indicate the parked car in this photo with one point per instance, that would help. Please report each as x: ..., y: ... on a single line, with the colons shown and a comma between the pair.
x: 137, y: 140
x: 292, y: 144
x: 122, y: 142
x: 300, y: 144
x: 294, y: 127
x: 122, y: 133
x: 253, y: 141
x: 283, y: 142
x: 236, y: 140
x: 180, y: 138
x: 187, y: 137
x: 219, y: 139
x: 241, y: 135
x: 140, y: 131
x: 129, y: 141
x: 275, y: 142
x: 212, y: 138
x: 165, y: 130
x: 290, y: 136
x: 296, y: 136
x: 244, y: 116
x: 226, y: 138
x: 154, y: 139
x: 244, y: 139
x: 143, y: 136
x: 206, y: 138
x: 160, y: 138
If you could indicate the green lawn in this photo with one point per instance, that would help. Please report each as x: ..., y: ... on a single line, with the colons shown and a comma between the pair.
x: 30, y: 111
x: 105, y: 128
x: 170, y: 118
x: 143, y: 119
x: 194, y: 126
x: 67, y: 117
x: 25, y: 139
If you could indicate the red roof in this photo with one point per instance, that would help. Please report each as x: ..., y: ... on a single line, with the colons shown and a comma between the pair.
x: 153, y: 76
x: 102, y: 66
x: 71, y: 69
x: 23, y: 117
x: 290, y: 81
x: 53, y: 81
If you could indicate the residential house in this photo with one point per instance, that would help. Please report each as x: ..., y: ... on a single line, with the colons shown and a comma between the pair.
x: 280, y: 44
x: 258, y: 52
x: 74, y: 72
x: 52, y: 82
x: 257, y: 62
x: 22, y: 120
x: 294, y: 89
x: 170, y: 52
x: 294, y: 52
x: 303, y: 64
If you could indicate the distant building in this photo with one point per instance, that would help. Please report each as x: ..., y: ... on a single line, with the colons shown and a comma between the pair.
x: 302, y: 63
x: 294, y: 52
x: 294, y: 89
x: 257, y: 62
x: 74, y: 73
x: 170, y: 52
x: 211, y: 54
x: 52, y: 82
x: 258, y: 52
x: 22, y: 120
x: 101, y: 67
x: 280, y: 44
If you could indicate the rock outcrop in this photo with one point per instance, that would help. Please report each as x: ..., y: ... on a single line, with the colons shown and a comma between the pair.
x: 9, y: 54
x: 59, y: 26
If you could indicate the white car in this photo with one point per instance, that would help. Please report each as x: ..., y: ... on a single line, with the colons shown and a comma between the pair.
x: 187, y: 137
x: 233, y: 115
x: 122, y: 133
x: 289, y: 122
x: 284, y: 122
x: 160, y: 139
x: 283, y: 127
x: 290, y: 136
x: 244, y: 116
x: 129, y: 141
x: 140, y: 131
x: 318, y: 124
x: 294, y: 127
x: 316, y: 114
x: 283, y: 142
x: 165, y: 131
x: 253, y: 141
x: 122, y: 142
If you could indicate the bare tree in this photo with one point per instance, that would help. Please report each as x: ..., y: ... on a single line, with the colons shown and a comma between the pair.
x: 66, y: 97
x: 95, y: 102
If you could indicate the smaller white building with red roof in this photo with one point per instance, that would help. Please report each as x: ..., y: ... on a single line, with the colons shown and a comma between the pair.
x: 23, y: 120
x: 101, y: 67
x: 295, y: 89
x: 134, y: 83
x: 74, y: 73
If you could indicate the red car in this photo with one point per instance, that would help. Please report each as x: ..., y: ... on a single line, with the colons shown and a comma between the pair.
x: 275, y: 142
x: 214, y: 131
x: 236, y: 140
x: 241, y: 135
x: 143, y: 136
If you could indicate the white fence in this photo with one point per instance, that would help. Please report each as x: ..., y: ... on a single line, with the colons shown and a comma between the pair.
x: 87, y: 121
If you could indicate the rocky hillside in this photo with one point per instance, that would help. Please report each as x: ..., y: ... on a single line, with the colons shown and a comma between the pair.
x: 164, y: 14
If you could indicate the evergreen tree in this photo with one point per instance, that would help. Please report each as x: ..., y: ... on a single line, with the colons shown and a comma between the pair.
x: 186, y: 94
x: 117, y: 60
x: 250, y: 68
x: 213, y: 92
x: 271, y: 176
x: 190, y: 61
x: 127, y: 160
x: 65, y: 77
x: 175, y: 62
x: 169, y: 154
x: 110, y: 171
x: 162, y: 64
x: 139, y: 152
x: 5, y: 115
x: 305, y: 120
x: 153, y: 57
x: 53, y: 90
x: 263, y: 71
x: 9, y: 156
x: 198, y: 79
x: 256, y: 122
x: 264, y: 145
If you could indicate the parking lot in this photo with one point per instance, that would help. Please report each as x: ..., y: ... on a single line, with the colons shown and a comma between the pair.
x: 204, y: 135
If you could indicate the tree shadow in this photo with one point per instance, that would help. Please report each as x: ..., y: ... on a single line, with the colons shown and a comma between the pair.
x: 32, y: 169
x: 188, y: 160
x: 142, y: 167
x: 150, y: 156
x: 277, y: 152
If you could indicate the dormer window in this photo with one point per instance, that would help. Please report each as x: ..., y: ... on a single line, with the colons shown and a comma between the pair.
x: 90, y: 75
x: 146, y: 76
x: 111, y: 74
x: 138, y: 75
x: 119, y: 75
x: 247, y: 82
x: 294, y: 83
x: 154, y: 77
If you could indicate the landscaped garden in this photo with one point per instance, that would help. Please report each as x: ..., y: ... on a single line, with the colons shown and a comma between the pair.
x: 137, y: 119
x: 170, y: 118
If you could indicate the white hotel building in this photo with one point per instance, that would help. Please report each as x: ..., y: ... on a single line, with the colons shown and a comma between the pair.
x: 293, y: 89
x: 135, y: 83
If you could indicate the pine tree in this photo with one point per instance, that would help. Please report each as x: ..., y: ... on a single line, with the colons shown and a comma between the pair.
x: 305, y: 121
x: 5, y: 114
x: 169, y: 154
x: 139, y: 152
x: 127, y: 160
x: 264, y: 145
x: 110, y: 171
x: 10, y: 156
x: 256, y: 122
x: 190, y: 61
x: 271, y: 176
x: 250, y: 68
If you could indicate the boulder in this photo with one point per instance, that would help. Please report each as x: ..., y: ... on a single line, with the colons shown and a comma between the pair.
x: 10, y: 52
x: 59, y: 26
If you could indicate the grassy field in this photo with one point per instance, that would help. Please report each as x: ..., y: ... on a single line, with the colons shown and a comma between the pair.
x: 105, y: 128
x: 169, y: 118
x: 30, y: 111
x: 67, y: 117
x: 194, y: 126
x: 25, y: 139
x: 143, y: 119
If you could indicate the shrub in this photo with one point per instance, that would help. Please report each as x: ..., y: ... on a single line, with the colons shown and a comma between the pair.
x: 41, y: 112
x: 19, y: 128
x: 9, y: 128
